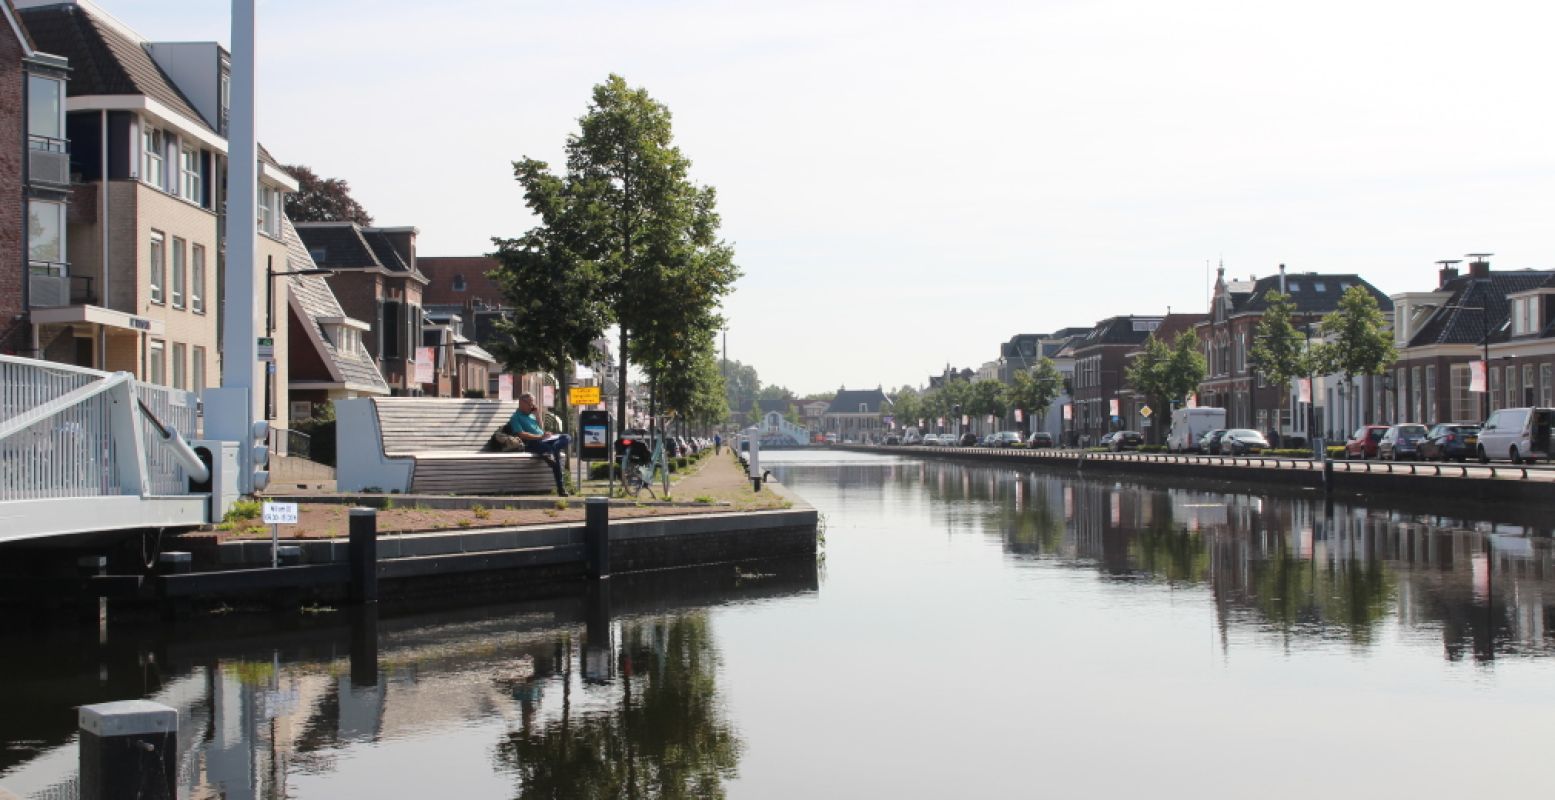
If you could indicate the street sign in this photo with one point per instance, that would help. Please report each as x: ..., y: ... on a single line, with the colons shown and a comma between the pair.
x: 280, y: 513
x: 583, y: 395
x: 1144, y: 411
x: 266, y: 348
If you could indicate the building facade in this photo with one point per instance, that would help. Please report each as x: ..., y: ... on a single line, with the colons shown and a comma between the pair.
x: 1099, y: 363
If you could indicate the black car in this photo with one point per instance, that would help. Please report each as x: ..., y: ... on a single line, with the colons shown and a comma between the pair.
x: 969, y: 440
x: 1210, y: 442
x: 1454, y: 441
x: 1127, y: 440
x: 1040, y: 439
x: 1401, y: 441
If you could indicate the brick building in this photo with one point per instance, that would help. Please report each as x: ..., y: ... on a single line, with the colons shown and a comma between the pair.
x: 326, y: 355
x: 1100, y: 359
x: 1131, y: 404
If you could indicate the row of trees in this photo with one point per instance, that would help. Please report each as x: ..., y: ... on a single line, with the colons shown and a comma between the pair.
x: 1031, y: 390
x: 625, y: 239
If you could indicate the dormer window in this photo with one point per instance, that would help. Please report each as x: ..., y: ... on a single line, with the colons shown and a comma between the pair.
x: 459, y: 284
x: 1525, y: 315
x: 318, y: 254
x: 1320, y: 287
x: 1293, y: 286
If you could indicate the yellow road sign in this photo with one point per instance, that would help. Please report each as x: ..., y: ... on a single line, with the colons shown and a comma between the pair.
x: 1145, y: 412
x: 583, y: 395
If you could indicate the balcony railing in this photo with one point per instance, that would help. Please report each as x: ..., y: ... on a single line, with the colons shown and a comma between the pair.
x: 49, y: 285
x: 48, y: 160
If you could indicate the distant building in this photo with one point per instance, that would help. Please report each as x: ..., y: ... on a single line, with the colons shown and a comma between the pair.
x: 325, y: 347
x: 1099, y: 361
x: 857, y: 414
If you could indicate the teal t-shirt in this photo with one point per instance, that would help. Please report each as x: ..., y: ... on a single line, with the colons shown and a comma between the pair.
x: 523, y: 423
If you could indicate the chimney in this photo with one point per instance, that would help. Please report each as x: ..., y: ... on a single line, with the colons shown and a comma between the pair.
x: 1448, y: 272
x: 1480, y: 266
x: 1282, y: 279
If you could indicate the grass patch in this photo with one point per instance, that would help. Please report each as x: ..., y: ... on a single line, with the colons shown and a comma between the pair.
x: 480, y: 511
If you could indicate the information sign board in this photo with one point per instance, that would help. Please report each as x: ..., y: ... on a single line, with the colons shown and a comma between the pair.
x: 583, y: 395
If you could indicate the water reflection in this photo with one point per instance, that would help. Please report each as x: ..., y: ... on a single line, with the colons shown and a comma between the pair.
x: 1276, y: 564
x: 612, y: 692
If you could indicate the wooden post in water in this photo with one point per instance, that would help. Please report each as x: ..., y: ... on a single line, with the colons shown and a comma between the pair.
x: 129, y: 750
x: 362, y: 554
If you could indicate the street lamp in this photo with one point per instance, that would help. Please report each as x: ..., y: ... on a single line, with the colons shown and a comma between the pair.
x: 270, y: 275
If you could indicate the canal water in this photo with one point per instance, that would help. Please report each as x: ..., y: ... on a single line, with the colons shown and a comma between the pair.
x: 973, y: 631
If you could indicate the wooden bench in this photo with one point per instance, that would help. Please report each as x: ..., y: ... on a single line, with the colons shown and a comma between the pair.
x: 424, y: 445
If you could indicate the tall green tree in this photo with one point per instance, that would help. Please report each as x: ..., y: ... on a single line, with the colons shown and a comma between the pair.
x: 1357, y: 339
x: 908, y: 406
x: 552, y: 284
x: 987, y: 397
x: 653, y: 231
x: 1279, y: 352
x: 1167, y: 374
x: 741, y: 384
x: 1034, y: 390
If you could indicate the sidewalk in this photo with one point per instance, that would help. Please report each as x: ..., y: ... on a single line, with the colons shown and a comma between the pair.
x: 717, y: 484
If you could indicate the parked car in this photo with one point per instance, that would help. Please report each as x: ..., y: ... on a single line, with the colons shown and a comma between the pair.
x: 892, y: 439
x: 1242, y: 441
x: 1521, y: 435
x: 1401, y: 441
x: 930, y: 440
x: 969, y: 440
x: 1040, y: 439
x: 1455, y: 441
x: 1127, y: 440
x: 987, y: 440
x: 1363, y: 444
x: 1106, y: 440
x: 1005, y: 439
x: 1190, y: 424
x: 912, y: 437
x: 1210, y: 442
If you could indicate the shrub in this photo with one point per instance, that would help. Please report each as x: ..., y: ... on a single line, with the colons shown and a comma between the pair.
x: 1288, y: 452
x: 243, y: 509
x: 1152, y: 448
x: 321, y: 437
x: 1336, y: 451
x: 599, y: 470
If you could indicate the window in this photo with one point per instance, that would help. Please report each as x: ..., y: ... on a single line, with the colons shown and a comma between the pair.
x: 1512, y: 400
x: 1528, y: 386
x: 1546, y: 390
x: 179, y: 357
x: 197, y: 279
x: 1400, y: 391
x: 180, y: 271
x: 458, y: 283
x: 158, y: 267
x: 1416, y: 407
x: 46, y: 233
x: 269, y: 211
x: 191, y: 186
x: 156, y: 361
x: 1495, y: 388
x: 1430, y: 395
x: 45, y: 110
x: 197, y: 370
x: 153, y: 153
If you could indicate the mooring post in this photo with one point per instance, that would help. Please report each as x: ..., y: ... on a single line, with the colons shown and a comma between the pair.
x: 364, y: 646
x: 129, y: 749
x: 596, y: 536
x: 92, y: 607
x: 598, y: 667
x: 362, y: 553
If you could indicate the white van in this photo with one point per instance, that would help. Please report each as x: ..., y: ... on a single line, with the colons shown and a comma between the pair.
x: 1520, y: 435
x: 1188, y: 424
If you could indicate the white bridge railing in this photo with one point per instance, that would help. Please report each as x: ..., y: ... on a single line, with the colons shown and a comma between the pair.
x: 71, y: 432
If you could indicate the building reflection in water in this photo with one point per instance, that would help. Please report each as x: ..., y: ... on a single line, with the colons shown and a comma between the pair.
x: 1282, y: 564
x: 611, y: 692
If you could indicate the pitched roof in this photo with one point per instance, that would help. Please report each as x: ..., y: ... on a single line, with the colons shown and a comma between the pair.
x: 1477, y: 305
x: 848, y: 401
x: 17, y: 29
x: 337, y: 245
x: 106, y: 58
x: 1311, y: 292
x: 1120, y: 330
x: 318, y: 302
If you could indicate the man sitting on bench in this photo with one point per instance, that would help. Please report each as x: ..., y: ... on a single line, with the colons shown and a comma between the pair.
x: 549, y: 446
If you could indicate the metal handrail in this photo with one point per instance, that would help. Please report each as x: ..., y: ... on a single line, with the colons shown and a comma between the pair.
x: 48, y: 144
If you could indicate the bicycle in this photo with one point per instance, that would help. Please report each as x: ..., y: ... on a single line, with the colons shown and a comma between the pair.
x: 637, y: 476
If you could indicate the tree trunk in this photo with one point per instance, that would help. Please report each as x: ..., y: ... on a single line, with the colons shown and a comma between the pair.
x: 621, y: 386
x: 563, y: 383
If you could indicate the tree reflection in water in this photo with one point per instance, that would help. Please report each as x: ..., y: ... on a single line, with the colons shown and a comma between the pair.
x: 669, y: 735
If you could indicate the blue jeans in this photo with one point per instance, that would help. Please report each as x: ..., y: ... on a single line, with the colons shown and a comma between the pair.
x: 553, y: 448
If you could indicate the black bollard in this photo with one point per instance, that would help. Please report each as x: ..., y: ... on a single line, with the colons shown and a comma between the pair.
x: 129, y: 749
x: 596, y: 536
x: 363, y: 555
x: 92, y: 607
x: 364, y: 646
x: 598, y: 667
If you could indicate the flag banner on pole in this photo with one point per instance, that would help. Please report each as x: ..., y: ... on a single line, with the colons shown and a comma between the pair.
x: 1113, y: 406
x: 1193, y: 401
x: 920, y: 422
x: 1068, y: 412
x: 990, y: 419
x: 1304, y: 390
x: 966, y: 419
x: 1476, y: 376
x: 1018, y: 415
x: 942, y: 422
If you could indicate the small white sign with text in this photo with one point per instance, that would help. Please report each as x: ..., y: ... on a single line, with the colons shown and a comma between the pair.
x: 280, y: 513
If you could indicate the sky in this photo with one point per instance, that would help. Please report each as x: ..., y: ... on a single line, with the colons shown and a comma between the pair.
x: 909, y: 184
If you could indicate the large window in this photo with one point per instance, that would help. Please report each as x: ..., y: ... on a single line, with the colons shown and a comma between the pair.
x: 46, y: 235
x: 153, y: 149
x: 1495, y: 388
x: 180, y: 271
x: 179, y: 357
x: 1465, y: 404
x: 158, y: 268
x: 46, y: 111
x: 191, y: 184
x: 197, y: 279
x: 1512, y: 399
x: 1416, y: 408
x: 1529, y: 388
x: 197, y: 369
x: 1546, y: 391
x: 1430, y: 396
x: 156, y: 362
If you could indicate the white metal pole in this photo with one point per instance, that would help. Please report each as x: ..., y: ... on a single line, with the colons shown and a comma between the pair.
x: 240, y: 366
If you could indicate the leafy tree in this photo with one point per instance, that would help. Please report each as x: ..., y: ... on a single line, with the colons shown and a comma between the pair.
x: 741, y: 384
x: 986, y: 397
x: 696, y: 394
x: 1357, y: 338
x: 1279, y: 351
x: 1034, y: 390
x: 908, y: 406
x: 322, y: 199
x: 555, y: 290
x: 1167, y: 374
x: 652, y: 230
